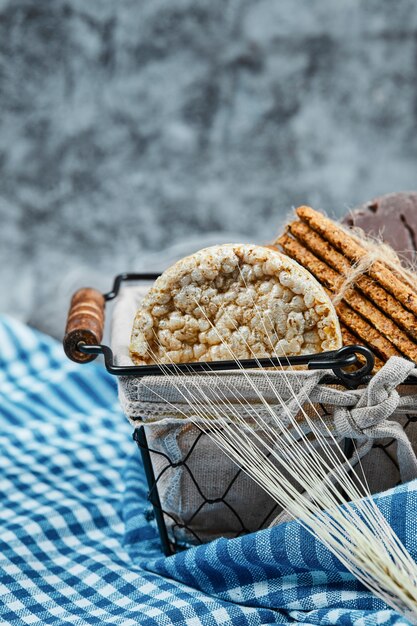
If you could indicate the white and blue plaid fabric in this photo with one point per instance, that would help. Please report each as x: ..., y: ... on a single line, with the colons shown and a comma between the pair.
x: 75, y: 544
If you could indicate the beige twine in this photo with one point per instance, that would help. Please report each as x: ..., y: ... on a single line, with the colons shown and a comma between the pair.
x: 376, y: 250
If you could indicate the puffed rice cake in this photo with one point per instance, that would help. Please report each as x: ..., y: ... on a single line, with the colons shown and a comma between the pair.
x: 233, y: 301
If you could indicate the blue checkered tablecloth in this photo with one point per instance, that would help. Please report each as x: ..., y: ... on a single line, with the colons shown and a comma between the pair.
x: 76, y: 546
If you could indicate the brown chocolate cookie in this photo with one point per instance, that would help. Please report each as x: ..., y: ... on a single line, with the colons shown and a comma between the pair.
x: 392, y: 217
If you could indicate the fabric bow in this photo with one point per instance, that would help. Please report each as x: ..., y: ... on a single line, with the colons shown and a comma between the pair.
x: 368, y: 418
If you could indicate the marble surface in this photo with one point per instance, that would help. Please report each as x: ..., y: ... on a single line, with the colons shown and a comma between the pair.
x: 134, y: 132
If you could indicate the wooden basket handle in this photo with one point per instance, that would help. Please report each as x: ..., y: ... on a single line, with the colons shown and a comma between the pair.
x: 85, y: 323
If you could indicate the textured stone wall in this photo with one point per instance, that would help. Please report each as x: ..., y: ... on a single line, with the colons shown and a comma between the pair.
x: 132, y: 132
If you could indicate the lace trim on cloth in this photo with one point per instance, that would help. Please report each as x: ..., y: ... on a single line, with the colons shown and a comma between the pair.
x: 362, y: 414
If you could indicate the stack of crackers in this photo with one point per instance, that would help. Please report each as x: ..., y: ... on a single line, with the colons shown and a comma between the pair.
x: 380, y: 309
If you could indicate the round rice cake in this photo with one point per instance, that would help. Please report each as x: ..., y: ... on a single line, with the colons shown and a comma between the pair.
x: 233, y: 301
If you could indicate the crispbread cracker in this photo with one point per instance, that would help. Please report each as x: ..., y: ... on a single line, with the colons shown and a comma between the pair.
x: 350, y: 339
x: 338, y: 237
x: 367, y: 333
x: 233, y: 301
x: 332, y: 280
x: 370, y: 288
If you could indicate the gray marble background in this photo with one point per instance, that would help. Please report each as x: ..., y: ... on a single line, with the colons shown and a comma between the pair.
x: 132, y: 132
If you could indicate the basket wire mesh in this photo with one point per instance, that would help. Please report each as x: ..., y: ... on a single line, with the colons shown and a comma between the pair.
x: 338, y: 361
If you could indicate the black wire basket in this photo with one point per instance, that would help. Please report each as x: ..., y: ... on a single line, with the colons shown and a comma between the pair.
x: 350, y: 367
